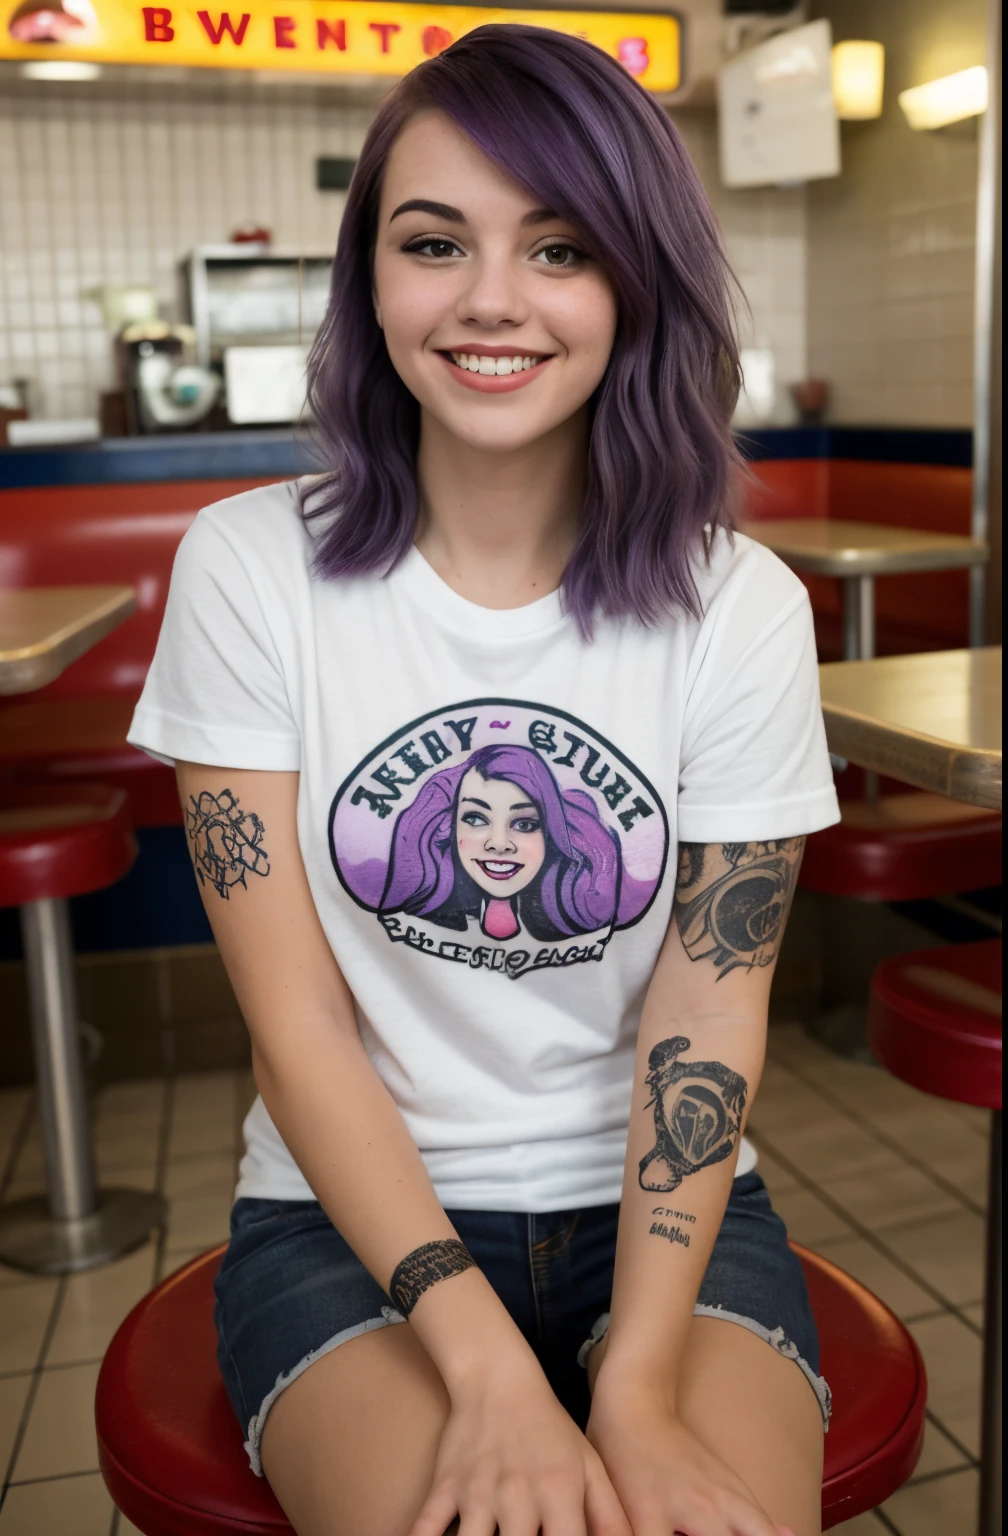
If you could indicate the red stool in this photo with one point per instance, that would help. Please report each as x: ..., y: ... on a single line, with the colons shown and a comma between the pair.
x: 172, y: 1457
x: 56, y: 843
x: 934, y: 1020
x: 904, y: 847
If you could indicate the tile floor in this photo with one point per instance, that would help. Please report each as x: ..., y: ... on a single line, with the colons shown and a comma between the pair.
x: 887, y: 1182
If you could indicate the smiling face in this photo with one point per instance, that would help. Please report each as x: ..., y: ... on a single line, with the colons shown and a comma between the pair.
x: 495, y: 316
x: 499, y: 834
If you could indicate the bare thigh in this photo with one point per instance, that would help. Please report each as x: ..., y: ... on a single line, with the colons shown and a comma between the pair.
x: 349, y: 1447
x: 755, y: 1410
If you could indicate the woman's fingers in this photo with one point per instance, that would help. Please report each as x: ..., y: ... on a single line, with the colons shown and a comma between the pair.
x: 603, y: 1510
x: 437, y: 1514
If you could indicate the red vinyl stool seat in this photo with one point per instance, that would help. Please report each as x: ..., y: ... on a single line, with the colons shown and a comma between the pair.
x: 934, y: 1020
x: 171, y: 1452
x: 58, y: 841
x: 904, y: 847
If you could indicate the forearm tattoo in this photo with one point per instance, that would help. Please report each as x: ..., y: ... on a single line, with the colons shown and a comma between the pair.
x: 226, y: 841
x: 698, y: 1108
x: 424, y: 1267
x: 732, y: 909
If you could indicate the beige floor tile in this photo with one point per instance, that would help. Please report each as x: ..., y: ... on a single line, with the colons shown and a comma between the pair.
x: 775, y: 1175
x: 939, y: 1454
x: 23, y: 1317
x: 943, y: 1506
x: 975, y: 1313
x: 210, y: 1176
x: 861, y: 1259
x: 70, y: 1506
x: 952, y: 1355
x: 807, y: 1219
x: 143, y: 1096
x: 946, y: 1252
x: 61, y: 1435
x: 127, y: 1528
x: 829, y: 1148
x: 12, y: 1105
x: 888, y: 1195
x: 931, y: 1131
x: 967, y: 1170
x: 861, y: 1525
x: 95, y: 1303
x: 199, y: 1221
x: 131, y: 1173
x: 13, y: 1391
x: 197, y: 1135
x: 201, y: 1093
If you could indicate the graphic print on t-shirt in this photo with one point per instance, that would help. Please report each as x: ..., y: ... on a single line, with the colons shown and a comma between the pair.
x: 500, y: 834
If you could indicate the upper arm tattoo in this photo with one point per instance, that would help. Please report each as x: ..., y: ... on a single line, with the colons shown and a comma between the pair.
x: 731, y: 904
x: 226, y: 841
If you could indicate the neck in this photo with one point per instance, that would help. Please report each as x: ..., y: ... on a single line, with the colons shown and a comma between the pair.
x: 499, y: 528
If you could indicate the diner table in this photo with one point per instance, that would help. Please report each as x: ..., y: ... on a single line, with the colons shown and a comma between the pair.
x: 857, y: 553
x: 43, y: 630
x: 934, y: 721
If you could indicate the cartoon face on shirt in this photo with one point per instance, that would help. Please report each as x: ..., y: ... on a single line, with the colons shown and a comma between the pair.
x: 499, y: 834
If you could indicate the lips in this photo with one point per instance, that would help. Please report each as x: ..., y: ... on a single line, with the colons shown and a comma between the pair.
x: 500, y: 869
x: 504, y: 378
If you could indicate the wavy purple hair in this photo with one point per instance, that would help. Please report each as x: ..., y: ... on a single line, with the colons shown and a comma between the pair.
x: 577, y: 889
x: 660, y: 457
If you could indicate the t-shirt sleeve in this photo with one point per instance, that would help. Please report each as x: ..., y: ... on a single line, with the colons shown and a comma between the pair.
x: 754, y: 762
x: 216, y: 691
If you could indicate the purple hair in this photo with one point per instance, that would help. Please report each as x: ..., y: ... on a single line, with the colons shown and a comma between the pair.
x: 660, y: 457
x: 577, y: 889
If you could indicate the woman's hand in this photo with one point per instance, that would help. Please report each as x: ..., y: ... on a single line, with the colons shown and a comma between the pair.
x: 667, y: 1481
x: 512, y: 1461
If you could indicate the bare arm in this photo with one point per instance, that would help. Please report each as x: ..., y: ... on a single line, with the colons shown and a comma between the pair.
x: 328, y: 1103
x: 699, y: 1059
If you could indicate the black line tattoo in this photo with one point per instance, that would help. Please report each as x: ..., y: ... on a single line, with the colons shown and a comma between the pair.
x: 698, y: 1108
x: 424, y: 1267
x: 226, y: 841
x: 735, y: 916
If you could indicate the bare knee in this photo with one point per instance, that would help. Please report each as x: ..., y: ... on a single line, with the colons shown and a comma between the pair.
x: 330, y: 1439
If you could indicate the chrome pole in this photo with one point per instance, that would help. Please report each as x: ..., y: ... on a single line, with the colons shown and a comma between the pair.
x: 70, y: 1177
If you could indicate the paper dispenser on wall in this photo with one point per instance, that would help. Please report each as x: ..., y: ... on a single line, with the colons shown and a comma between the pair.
x: 777, y: 120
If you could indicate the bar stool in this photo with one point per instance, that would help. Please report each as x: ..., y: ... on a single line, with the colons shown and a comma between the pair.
x: 57, y: 842
x: 172, y: 1457
x: 934, y: 1020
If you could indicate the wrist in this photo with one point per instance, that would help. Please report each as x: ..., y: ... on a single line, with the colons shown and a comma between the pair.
x: 471, y: 1337
x: 636, y: 1381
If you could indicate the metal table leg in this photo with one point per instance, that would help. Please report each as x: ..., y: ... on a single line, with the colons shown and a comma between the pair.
x: 990, y: 1434
x: 858, y: 618
x: 76, y: 1225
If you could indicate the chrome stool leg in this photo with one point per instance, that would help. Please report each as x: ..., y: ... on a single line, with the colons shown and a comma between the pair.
x: 990, y: 1432
x: 76, y: 1226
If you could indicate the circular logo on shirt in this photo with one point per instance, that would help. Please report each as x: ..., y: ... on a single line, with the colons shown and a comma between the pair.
x: 500, y: 834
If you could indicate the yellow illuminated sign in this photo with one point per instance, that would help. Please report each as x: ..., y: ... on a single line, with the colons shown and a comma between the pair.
x: 345, y: 37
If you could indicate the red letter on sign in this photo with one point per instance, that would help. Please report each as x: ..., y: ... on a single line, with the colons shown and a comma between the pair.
x: 386, y: 30
x: 331, y: 32
x: 216, y: 34
x: 633, y: 54
x: 157, y: 25
x: 283, y: 31
x: 434, y: 40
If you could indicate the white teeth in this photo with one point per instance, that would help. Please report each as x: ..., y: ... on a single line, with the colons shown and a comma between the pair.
x: 492, y: 367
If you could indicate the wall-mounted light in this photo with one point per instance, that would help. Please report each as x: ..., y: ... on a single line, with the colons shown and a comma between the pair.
x: 59, y: 69
x: 858, y: 73
x: 947, y: 100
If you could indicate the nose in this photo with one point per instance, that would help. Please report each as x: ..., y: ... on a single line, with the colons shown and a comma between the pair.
x: 499, y: 841
x: 494, y: 294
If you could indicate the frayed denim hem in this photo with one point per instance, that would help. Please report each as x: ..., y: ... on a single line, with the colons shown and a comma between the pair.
x: 776, y: 1338
x: 255, y: 1430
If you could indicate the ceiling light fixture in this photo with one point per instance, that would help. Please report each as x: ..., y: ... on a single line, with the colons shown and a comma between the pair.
x: 947, y: 100
x: 858, y: 73
x: 59, y: 69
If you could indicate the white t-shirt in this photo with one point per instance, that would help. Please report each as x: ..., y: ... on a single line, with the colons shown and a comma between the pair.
x: 488, y: 813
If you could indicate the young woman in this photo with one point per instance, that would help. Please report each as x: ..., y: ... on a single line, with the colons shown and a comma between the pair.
x: 497, y: 752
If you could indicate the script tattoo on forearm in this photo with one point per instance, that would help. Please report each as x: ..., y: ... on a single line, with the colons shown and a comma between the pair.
x: 424, y: 1267
x: 698, y: 1108
x: 732, y: 910
x: 226, y: 841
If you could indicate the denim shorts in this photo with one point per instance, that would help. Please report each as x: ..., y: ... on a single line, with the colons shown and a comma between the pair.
x: 290, y: 1290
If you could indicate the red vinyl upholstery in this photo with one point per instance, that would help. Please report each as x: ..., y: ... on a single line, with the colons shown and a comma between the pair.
x: 904, y: 847
x: 934, y: 1020
x: 105, y: 534
x: 62, y: 841
x: 172, y: 1457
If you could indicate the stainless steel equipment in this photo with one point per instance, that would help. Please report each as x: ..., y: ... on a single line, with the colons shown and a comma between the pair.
x: 247, y: 295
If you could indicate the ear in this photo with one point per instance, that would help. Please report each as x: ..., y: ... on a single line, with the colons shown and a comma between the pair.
x: 377, y: 309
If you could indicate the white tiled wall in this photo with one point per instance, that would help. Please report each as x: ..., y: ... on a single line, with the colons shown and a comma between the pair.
x: 116, y: 188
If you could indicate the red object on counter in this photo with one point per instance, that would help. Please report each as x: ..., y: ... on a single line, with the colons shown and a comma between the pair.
x: 171, y: 1452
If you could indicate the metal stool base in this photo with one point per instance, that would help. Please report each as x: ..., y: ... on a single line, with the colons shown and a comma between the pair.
x: 31, y: 1239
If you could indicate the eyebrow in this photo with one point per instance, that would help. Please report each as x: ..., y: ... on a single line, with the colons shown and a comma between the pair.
x: 452, y: 215
x: 524, y: 805
x: 471, y: 800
